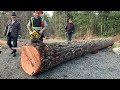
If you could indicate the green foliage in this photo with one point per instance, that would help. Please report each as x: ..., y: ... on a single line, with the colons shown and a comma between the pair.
x: 116, y: 45
x: 99, y: 23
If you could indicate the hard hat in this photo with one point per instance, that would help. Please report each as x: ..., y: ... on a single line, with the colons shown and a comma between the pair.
x: 39, y: 12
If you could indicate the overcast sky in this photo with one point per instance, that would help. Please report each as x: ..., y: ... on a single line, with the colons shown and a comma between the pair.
x: 50, y: 13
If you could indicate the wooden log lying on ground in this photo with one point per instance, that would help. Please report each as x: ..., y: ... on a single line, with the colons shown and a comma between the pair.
x: 41, y: 57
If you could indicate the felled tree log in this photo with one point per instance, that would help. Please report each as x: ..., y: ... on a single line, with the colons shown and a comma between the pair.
x: 41, y: 57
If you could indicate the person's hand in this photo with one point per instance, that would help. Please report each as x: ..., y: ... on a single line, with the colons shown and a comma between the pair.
x: 30, y: 32
x: 19, y: 36
x: 41, y: 31
x: 65, y: 32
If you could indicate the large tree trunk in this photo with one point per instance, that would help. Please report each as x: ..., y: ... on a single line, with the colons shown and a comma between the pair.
x: 41, y: 57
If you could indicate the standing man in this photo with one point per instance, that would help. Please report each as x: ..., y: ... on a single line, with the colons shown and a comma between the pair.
x: 37, y: 24
x: 12, y: 31
x: 69, y: 30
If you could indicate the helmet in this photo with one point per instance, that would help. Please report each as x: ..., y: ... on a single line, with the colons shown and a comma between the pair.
x: 39, y: 12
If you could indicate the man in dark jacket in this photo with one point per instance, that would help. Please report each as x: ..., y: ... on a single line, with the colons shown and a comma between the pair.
x: 12, y: 31
x: 69, y: 30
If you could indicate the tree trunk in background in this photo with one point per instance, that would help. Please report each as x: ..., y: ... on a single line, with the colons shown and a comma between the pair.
x: 41, y: 57
x: 107, y: 24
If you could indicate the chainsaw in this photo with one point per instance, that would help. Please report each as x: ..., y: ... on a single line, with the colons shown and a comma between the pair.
x: 35, y: 35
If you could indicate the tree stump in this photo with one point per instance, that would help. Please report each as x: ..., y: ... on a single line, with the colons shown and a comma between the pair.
x: 43, y: 56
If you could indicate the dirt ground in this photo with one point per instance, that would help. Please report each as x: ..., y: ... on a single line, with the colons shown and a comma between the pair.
x: 102, y: 65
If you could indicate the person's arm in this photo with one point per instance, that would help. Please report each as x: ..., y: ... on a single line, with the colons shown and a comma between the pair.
x: 5, y: 30
x: 19, y: 29
x: 29, y: 27
x: 44, y: 28
x: 66, y: 29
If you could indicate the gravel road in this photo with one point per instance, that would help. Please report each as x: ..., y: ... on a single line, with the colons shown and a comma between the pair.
x: 102, y: 65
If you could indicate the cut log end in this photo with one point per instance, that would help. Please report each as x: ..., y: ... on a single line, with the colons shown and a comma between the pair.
x: 30, y: 60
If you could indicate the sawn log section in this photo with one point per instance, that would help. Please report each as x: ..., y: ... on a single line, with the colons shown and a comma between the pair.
x: 41, y: 57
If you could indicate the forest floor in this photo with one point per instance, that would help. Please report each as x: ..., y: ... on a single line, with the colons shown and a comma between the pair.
x: 102, y: 65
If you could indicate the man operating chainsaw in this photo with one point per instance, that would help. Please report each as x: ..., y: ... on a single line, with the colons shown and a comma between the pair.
x: 36, y: 26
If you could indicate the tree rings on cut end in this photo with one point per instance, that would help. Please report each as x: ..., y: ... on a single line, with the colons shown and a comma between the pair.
x: 30, y: 60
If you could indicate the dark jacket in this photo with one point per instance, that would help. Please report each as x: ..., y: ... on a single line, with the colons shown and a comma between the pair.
x: 69, y: 28
x: 14, y: 28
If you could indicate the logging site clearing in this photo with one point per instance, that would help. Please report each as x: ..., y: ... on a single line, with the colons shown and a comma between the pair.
x: 101, y: 64
x: 64, y: 45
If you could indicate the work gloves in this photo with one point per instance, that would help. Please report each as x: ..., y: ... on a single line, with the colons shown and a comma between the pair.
x: 30, y: 32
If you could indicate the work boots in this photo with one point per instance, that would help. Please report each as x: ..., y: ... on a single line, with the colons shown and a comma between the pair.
x: 69, y: 42
x: 14, y: 52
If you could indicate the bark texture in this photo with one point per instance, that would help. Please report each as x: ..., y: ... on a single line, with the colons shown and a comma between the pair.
x: 52, y: 54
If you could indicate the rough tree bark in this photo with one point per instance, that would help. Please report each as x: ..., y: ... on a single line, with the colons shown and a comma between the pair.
x: 41, y: 57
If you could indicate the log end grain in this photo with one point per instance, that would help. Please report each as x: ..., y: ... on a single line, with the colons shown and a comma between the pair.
x: 30, y: 60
